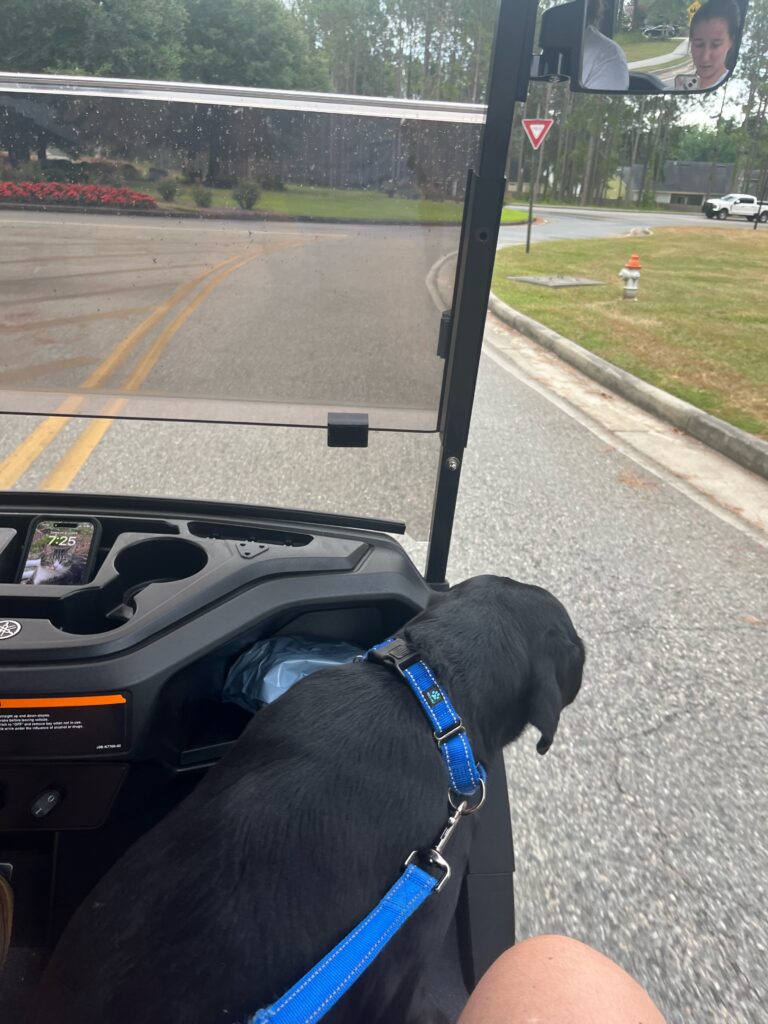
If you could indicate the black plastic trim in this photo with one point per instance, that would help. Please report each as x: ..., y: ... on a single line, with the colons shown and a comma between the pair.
x: 187, y: 508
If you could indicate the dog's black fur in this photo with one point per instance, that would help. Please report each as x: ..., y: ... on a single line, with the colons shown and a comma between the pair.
x: 294, y: 837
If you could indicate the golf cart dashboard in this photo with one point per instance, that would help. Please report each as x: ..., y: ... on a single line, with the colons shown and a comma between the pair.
x: 111, y: 691
x: 128, y: 668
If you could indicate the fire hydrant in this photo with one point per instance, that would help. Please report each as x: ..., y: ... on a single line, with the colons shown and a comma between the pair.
x: 631, y: 276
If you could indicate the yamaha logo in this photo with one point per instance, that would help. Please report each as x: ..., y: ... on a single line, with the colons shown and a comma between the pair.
x: 9, y: 628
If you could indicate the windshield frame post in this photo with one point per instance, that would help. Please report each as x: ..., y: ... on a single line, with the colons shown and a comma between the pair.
x: 508, y: 84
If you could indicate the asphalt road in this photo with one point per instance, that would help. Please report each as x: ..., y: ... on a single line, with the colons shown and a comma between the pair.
x: 561, y: 223
x: 281, y: 314
x: 643, y: 830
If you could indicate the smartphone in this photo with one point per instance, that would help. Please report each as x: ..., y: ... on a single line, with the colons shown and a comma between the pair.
x: 59, y: 551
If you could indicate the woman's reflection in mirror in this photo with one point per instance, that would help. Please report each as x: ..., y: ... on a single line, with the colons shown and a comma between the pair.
x: 603, y: 63
x: 713, y: 34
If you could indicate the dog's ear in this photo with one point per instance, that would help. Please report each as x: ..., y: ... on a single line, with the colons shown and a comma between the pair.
x: 546, y: 703
x: 555, y: 681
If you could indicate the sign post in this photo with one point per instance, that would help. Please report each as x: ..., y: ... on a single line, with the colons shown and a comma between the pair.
x: 536, y: 129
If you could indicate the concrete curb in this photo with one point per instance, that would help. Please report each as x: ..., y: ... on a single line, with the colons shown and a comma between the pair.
x: 738, y: 445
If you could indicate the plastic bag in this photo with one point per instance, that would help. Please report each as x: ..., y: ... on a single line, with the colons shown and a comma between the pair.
x: 270, y: 668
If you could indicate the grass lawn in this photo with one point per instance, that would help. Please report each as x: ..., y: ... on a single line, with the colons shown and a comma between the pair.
x: 699, y: 328
x: 637, y: 47
x: 514, y: 216
x: 337, y: 204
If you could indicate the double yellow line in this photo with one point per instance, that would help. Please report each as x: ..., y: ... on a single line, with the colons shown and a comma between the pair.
x: 19, y: 461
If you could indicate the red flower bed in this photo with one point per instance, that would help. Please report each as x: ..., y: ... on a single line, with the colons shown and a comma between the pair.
x: 50, y: 192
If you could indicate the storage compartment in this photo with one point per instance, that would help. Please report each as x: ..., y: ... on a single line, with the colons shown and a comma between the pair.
x: 194, y: 727
x: 109, y: 601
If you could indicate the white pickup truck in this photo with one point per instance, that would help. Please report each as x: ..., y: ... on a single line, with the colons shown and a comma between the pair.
x: 736, y: 204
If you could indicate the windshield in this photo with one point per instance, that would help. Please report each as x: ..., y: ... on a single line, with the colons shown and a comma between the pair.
x: 304, y: 287
x: 208, y: 255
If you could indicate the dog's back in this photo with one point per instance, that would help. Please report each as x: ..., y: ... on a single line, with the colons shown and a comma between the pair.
x: 274, y: 857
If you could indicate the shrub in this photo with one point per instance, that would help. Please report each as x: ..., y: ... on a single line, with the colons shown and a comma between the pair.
x: 191, y: 176
x: 31, y: 171
x: 222, y: 181
x: 106, y: 174
x: 203, y: 197
x: 407, y: 190
x: 168, y: 189
x: 59, y: 170
x: 435, y: 191
x: 246, y: 194
x: 273, y: 183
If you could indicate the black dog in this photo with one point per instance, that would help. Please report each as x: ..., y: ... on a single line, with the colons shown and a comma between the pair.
x: 293, y: 838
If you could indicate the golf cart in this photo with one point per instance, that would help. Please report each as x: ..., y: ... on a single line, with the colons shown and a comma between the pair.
x: 317, y: 374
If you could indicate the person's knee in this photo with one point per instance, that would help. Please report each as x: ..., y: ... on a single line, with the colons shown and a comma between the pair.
x: 556, y: 980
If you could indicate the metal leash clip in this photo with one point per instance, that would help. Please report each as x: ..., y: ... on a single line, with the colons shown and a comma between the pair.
x: 434, y: 856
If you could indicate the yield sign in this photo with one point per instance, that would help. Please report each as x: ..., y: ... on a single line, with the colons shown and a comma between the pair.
x: 536, y: 129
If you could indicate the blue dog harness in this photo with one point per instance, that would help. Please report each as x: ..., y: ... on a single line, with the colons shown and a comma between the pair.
x: 322, y: 987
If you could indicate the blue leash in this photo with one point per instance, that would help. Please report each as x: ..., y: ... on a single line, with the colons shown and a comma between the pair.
x: 322, y: 987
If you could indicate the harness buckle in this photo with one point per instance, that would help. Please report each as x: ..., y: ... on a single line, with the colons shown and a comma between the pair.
x: 395, y: 653
x: 443, y: 737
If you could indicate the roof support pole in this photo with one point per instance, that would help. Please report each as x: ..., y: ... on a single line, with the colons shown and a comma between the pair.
x: 508, y: 85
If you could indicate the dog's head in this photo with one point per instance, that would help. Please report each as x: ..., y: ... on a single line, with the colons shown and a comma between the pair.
x: 508, y: 655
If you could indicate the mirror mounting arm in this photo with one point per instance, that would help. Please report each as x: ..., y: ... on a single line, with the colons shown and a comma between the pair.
x: 560, y: 39
x: 545, y: 72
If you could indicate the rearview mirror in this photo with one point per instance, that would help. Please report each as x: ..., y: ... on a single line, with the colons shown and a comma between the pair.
x: 616, y: 46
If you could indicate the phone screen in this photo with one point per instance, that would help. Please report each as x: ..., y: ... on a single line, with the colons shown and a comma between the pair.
x: 59, y: 552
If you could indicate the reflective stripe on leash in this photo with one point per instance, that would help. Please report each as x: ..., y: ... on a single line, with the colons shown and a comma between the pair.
x: 326, y: 983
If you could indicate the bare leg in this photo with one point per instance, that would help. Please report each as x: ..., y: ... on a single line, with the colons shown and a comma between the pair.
x: 554, y: 980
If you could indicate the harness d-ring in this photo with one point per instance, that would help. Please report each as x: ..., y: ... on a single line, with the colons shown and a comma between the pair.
x: 462, y: 800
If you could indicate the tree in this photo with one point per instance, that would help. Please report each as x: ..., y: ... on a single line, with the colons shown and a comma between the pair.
x: 417, y: 49
x: 140, y: 39
x: 46, y: 35
x: 752, y: 69
x: 248, y: 42
x: 666, y: 12
x: 701, y: 143
x: 243, y: 42
x: 354, y: 39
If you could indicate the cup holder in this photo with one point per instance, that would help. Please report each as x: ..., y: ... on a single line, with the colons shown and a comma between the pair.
x: 161, y: 560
